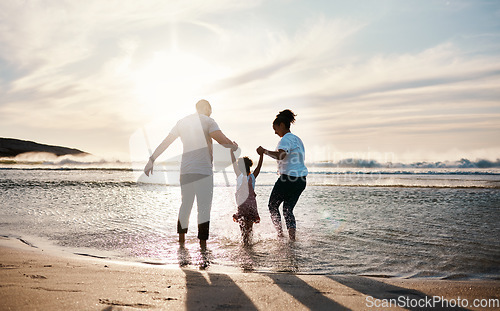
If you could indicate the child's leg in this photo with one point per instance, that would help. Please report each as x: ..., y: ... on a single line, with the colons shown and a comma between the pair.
x: 246, y: 231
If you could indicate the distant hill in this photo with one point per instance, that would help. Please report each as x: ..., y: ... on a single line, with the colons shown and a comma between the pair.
x: 10, y: 147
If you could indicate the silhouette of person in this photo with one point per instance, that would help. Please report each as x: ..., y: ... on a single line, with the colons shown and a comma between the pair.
x: 196, y: 132
x: 290, y: 154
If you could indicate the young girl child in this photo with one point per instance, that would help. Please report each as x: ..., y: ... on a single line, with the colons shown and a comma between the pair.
x: 247, y: 213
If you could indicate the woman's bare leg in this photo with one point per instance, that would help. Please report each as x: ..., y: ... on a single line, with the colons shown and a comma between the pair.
x: 291, y: 234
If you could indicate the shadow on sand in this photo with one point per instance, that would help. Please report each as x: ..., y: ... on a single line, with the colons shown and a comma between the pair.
x: 202, y: 287
x: 304, y: 293
x: 383, y: 291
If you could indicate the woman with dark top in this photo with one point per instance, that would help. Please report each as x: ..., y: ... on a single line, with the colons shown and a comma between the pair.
x: 290, y: 154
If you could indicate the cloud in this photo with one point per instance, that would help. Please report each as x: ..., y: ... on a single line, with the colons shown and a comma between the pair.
x: 67, y: 64
x: 445, y: 96
x: 65, y: 56
x: 281, y: 63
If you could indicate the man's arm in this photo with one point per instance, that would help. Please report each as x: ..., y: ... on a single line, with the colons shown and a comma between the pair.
x: 223, y: 140
x: 158, y: 151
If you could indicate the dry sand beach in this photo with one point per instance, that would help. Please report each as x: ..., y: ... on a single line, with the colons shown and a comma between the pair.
x: 31, y: 279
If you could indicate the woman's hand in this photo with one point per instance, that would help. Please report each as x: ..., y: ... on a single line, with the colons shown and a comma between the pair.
x: 149, y: 167
x: 278, y: 155
x: 260, y: 150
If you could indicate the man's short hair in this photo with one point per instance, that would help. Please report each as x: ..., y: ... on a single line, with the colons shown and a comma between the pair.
x: 202, y: 105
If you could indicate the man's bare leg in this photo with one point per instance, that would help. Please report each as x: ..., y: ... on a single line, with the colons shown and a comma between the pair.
x: 182, y: 239
x: 203, y: 245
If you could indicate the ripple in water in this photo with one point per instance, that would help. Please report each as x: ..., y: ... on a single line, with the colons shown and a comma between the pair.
x: 396, y: 231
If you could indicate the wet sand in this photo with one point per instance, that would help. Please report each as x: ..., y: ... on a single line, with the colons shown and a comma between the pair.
x: 31, y: 279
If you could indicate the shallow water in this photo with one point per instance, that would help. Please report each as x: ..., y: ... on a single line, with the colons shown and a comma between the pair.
x: 438, y: 223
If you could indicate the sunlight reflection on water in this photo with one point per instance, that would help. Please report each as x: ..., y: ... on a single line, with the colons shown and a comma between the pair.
x: 405, y: 231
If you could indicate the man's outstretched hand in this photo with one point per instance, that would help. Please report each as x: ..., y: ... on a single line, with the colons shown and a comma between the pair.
x: 234, y: 147
x: 149, y: 168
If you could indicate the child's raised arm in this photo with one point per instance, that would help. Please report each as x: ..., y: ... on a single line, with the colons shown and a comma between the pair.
x: 235, y: 164
x: 259, y: 165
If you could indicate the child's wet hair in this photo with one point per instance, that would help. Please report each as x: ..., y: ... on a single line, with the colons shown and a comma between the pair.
x: 246, y: 162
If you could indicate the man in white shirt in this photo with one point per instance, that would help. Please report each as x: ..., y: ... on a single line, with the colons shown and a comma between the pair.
x: 196, y: 174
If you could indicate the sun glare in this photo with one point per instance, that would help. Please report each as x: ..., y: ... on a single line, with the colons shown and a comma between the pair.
x: 171, y: 82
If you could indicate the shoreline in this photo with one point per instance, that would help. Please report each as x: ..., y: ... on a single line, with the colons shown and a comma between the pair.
x: 43, y: 245
x: 32, y: 279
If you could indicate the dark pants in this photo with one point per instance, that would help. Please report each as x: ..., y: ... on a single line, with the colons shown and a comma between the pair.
x: 287, y: 189
x: 200, y: 187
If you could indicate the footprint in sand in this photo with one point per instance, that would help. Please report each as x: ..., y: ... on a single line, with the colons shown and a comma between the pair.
x: 35, y: 276
x: 2, y: 266
x: 123, y: 304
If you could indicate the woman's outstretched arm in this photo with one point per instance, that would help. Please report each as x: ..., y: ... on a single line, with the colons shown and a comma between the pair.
x: 278, y: 155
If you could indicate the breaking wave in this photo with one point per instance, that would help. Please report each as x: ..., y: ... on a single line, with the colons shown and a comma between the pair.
x: 362, y: 163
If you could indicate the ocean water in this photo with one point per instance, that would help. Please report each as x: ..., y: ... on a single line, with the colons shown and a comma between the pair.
x: 437, y: 223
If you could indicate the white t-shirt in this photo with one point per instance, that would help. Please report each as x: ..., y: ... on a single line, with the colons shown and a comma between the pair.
x: 293, y: 163
x: 197, y: 154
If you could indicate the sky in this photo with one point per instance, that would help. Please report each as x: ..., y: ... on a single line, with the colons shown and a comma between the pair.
x: 398, y: 81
